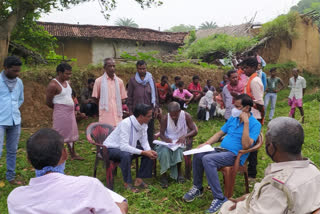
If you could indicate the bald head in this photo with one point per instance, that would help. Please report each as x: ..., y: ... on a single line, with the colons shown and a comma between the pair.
x: 173, y: 107
x: 286, y: 134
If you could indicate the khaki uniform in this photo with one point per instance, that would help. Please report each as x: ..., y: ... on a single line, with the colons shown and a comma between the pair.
x: 287, y: 188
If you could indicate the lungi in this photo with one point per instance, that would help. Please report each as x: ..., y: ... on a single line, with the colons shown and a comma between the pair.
x: 294, y: 103
x: 64, y: 122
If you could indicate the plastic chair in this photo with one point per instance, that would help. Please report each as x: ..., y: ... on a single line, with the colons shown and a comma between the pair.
x: 187, y: 159
x: 96, y: 133
x: 230, y: 172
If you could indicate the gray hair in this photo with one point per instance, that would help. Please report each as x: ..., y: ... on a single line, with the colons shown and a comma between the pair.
x: 173, y: 106
x: 286, y: 134
x: 106, y: 60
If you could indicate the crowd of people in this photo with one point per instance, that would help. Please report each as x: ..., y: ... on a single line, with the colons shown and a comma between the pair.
x: 242, y: 98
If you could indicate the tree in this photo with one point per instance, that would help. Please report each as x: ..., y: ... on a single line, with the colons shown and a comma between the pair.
x: 13, y: 12
x: 126, y: 22
x: 305, y: 6
x: 181, y: 28
x: 208, y: 25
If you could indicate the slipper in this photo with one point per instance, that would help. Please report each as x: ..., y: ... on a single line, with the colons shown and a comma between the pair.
x: 16, y: 182
x: 131, y: 188
x: 164, y: 183
x: 181, y: 180
x: 142, y: 185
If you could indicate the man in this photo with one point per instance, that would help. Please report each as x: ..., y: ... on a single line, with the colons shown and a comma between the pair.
x: 52, y: 191
x: 122, y: 145
x: 230, y: 91
x: 273, y: 88
x: 109, y: 92
x: 254, y: 88
x: 291, y: 183
x: 224, y: 82
x: 262, y: 76
x: 182, y: 96
x: 242, y: 77
x: 164, y: 90
x: 298, y: 87
x: 142, y: 89
x: 59, y: 97
x: 11, y: 98
x: 174, y: 86
x: 177, y: 126
x: 88, y: 105
x: 242, y: 130
x: 209, y: 86
x: 195, y: 88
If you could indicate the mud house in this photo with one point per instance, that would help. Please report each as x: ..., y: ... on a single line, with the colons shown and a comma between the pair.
x: 90, y: 44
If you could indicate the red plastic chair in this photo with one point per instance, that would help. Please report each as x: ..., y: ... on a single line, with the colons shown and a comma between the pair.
x: 96, y: 133
x: 230, y: 172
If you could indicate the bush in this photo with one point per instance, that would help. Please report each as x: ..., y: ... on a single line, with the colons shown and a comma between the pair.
x: 218, y: 42
x: 146, y: 56
x: 283, y: 27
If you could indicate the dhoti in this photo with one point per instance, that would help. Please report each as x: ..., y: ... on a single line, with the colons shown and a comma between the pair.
x: 64, y: 122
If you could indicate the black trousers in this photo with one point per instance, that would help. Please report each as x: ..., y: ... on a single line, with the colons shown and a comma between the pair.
x: 89, y: 109
x: 150, y: 133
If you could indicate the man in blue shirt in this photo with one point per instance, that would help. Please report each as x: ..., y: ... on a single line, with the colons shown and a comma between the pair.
x: 11, y: 98
x: 241, y: 130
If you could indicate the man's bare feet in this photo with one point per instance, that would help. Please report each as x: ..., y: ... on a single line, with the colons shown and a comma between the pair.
x: 130, y: 188
x: 139, y: 183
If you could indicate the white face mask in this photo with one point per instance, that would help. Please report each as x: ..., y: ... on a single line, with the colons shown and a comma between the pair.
x: 236, y: 112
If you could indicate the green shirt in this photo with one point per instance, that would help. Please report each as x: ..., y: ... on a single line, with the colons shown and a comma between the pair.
x: 272, y: 84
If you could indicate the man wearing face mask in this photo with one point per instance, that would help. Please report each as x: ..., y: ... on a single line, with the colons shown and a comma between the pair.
x: 53, y: 192
x: 241, y: 130
x: 291, y: 184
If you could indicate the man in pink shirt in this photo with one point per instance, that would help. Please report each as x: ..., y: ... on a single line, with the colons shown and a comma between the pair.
x: 110, y: 93
x: 195, y: 88
x: 182, y: 96
x: 52, y: 192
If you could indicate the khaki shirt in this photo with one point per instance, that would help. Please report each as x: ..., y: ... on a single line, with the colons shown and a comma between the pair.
x: 287, y: 188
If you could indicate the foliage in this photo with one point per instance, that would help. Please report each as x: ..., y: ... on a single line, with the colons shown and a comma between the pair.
x: 283, y: 27
x: 305, y: 6
x: 126, y: 22
x: 181, y: 28
x: 56, y: 58
x: 34, y: 37
x: 282, y: 67
x: 218, y: 42
x: 208, y: 25
x: 146, y: 56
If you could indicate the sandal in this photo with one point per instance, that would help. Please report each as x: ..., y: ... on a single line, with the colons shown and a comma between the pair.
x: 164, y: 183
x: 16, y: 182
x: 181, y: 180
x: 142, y: 185
x: 131, y: 188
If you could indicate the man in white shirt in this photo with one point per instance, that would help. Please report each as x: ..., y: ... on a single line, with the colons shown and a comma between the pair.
x: 52, y: 192
x: 122, y: 145
x: 298, y: 86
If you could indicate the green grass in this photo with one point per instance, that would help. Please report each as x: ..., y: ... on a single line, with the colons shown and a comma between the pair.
x: 157, y: 200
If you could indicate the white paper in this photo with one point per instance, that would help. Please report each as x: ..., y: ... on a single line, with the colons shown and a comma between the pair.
x: 116, y: 197
x: 206, y: 148
x: 173, y: 146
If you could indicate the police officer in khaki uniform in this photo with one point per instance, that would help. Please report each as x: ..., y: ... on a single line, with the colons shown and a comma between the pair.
x: 291, y: 184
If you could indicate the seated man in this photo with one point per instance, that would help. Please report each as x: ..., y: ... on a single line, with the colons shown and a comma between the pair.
x: 174, y: 86
x: 122, y: 145
x: 291, y: 184
x: 176, y: 125
x: 238, y: 137
x: 88, y: 105
x: 52, y: 191
x: 164, y: 90
x: 182, y: 96
x: 195, y: 88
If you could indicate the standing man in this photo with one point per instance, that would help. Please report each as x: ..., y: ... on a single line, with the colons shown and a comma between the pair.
x: 272, y: 89
x: 11, y: 98
x: 254, y: 88
x: 88, y: 105
x: 59, y: 97
x: 195, y: 88
x: 230, y: 91
x: 110, y: 93
x: 262, y: 76
x: 298, y: 87
x: 142, y: 90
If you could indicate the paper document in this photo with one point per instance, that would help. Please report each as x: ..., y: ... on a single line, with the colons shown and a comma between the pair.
x: 206, y: 148
x: 116, y: 197
x: 173, y: 146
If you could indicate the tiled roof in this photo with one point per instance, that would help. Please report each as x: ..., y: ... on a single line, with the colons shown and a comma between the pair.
x: 62, y: 30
